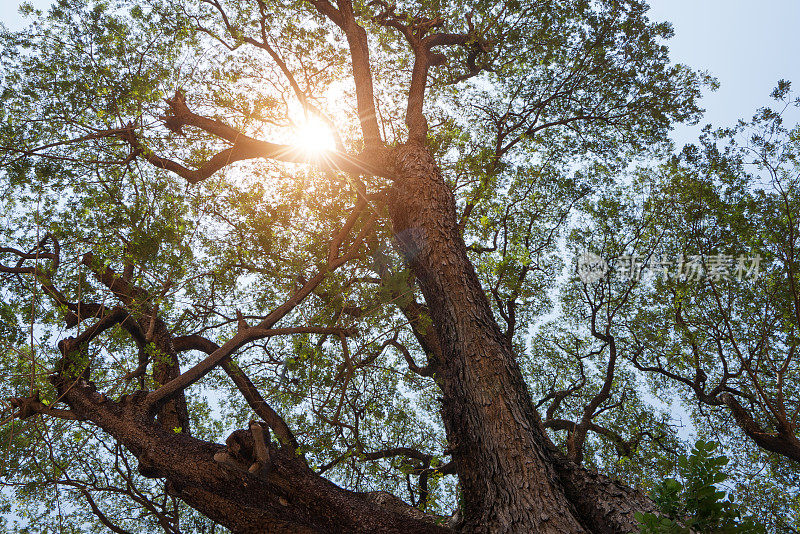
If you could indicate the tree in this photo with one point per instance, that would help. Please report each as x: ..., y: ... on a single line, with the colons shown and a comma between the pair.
x: 716, y: 317
x: 149, y: 214
x: 695, y: 502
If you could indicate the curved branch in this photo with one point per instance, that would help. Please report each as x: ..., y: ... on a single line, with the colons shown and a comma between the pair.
x: 784, y: 442
x: 344, y: 17
x: 100, y: 515
x: 243, y: 148
x: 425, y: 370
x: 246, y: 386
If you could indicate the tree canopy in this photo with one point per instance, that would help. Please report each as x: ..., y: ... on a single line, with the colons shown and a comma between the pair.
x: 321, y: 266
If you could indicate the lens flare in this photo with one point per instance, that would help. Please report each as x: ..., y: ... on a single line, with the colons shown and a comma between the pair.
x: 314, y: 137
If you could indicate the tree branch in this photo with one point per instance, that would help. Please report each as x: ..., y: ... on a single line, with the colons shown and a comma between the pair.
x: 100, y: 515
x: 243, y: 148
x: 344, y: 17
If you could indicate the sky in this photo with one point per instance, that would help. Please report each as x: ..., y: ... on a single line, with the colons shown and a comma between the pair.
x: 747, y: 45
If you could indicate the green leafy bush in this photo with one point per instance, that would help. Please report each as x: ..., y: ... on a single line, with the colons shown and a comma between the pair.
x: 694, y: 503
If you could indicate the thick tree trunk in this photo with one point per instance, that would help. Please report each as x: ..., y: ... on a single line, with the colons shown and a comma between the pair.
x: 512, y: 477
x: 286, y: 496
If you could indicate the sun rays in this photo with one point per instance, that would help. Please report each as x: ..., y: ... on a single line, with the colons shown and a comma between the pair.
x: 314, y: 138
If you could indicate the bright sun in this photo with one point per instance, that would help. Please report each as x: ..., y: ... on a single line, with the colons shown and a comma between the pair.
x: 314, y: 137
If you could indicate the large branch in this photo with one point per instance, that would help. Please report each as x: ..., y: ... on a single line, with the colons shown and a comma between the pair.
x: 244, y: 147
x: 579, y: 434
x: 415, y: 30
x: 246, y: 334
x: 423, y: 60
x: 286, y: 497
x: 142, y: 321
x: 344, y: 17
x: 783, y: 442
x: 604, y: 504
x: 624, y: 447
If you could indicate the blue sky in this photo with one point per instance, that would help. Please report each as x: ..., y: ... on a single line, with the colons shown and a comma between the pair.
x: 747, y: 45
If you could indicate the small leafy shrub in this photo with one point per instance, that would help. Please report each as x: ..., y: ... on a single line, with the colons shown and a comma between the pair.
x: 694, y: 503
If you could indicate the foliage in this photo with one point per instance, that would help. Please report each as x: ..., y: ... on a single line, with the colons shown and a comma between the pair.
x: 536, y: 123
x: 687, y: 311
x: 695, y: 503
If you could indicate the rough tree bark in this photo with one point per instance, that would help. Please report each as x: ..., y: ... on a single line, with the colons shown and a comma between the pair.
x: 512, y: 477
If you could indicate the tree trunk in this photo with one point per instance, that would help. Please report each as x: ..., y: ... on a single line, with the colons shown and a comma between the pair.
x: 286, y: 496
x: 512, y: 477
